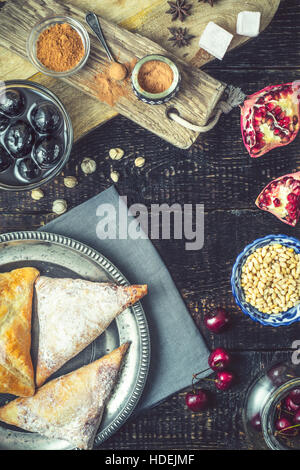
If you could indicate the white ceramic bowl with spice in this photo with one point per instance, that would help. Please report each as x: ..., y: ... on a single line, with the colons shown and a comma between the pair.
x: 46, y: 24
x: 155, y: 98
x: 276, y: 319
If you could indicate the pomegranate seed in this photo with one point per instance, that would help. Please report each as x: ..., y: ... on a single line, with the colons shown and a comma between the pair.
x: 281, y: 115
x: 268, y: 97
x: 290, y: 207
x: 267, y: 200
x: 276, y: 202
x: 270, y: 106
x: 277, y: 110
x: 292, y: 197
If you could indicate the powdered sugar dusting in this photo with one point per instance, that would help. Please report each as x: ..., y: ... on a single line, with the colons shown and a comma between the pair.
x: 70, y: 407
x: 72, y: 313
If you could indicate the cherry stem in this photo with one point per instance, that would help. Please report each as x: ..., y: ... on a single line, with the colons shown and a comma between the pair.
x: 195, y: 376
x: 285, y: 429
x: 198, y: 373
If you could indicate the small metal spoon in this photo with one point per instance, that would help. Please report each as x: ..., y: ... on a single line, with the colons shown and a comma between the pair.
x: 93, y: 22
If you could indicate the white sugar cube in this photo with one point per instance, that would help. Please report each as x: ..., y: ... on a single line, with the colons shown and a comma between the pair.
x: 215, y: 40
x: 248, y: 23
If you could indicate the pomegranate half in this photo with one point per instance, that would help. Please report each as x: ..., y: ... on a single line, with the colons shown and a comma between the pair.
x: 281, y: 197
x: 270, y: 118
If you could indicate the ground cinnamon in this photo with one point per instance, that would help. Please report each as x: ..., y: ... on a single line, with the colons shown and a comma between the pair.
x: 59, y: 48
x: 117, y: 71
x: 109, y: 90
x: 155, y: 76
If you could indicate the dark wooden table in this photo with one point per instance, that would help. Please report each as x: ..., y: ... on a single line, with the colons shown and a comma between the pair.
x: 217, y: 172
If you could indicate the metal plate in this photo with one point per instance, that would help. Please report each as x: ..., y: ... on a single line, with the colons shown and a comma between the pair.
x: 58, y: 256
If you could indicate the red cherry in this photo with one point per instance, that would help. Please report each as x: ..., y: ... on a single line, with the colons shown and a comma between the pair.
x: 296, y: 418
x: 224, y: 380
x: 295, y: 396
x: 197, y: 400
x: 217, y: 320
x: 219, y: 359
x: 281, y: 424
x: 290, y: 405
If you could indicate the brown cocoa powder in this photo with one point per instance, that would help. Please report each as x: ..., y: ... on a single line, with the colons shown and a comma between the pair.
x: 109, y: 90
x: 155, y: 76
x: 59, y: 48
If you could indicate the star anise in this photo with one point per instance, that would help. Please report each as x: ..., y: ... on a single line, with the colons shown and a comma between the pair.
x: 179, y: 9
x: 211, y: 2
x: 180, y: 37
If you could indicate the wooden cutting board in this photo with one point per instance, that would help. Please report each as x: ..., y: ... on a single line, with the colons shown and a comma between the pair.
x: 195, y: 101
x: 148, y: 18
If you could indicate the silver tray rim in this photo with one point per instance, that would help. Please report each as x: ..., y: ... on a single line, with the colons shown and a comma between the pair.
x: 137, y: 309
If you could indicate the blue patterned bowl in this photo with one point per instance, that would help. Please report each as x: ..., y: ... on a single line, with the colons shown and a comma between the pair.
x: 280, y: 319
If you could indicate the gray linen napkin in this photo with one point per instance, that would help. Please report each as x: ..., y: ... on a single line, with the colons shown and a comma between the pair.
x: 177, y: 348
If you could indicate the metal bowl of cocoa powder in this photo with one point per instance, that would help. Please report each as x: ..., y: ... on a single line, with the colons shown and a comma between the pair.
x: 155, y: 79
x: 58, y: 46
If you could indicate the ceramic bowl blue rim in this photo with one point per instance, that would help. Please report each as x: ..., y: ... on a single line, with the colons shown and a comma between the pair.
x: 281, y: 319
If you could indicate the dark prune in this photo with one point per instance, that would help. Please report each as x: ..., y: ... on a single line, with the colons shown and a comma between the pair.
x: 46, y: 118
x: 19, y: 139
x: 28, y: 169
x: 5, y: 159
x: 12, y: 102
x: 4, y: 122
x: 48, y: 151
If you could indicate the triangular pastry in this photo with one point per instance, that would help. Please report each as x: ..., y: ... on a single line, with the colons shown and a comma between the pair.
x: 16, y: 371
x: 72, y: 313
x: 69, y: 407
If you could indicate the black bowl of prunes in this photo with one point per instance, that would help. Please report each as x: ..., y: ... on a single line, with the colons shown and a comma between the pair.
x: 36, y: 135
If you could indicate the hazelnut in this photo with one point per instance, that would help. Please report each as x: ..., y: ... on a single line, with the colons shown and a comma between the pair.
x: 114, y: 176
x: 70, y: 181
x: 139, y: 162
x: 88, y: 166
x: 59, y: 206
x: 116, y: 154
x: 37, y: 194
